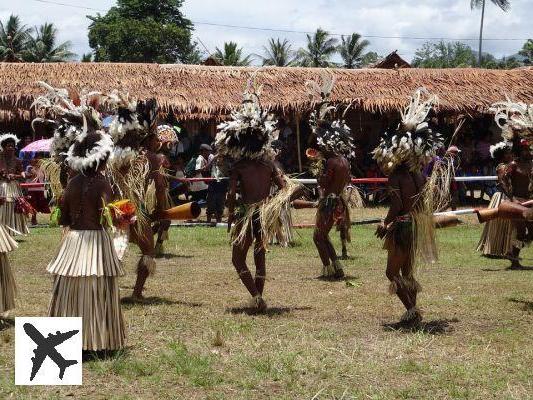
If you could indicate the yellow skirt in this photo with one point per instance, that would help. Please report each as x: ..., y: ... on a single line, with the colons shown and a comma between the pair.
x: 8, y: 289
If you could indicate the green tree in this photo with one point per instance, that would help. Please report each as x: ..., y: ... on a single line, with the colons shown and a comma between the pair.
x: 231, y: 55
x: 351, y: 50
x: 277, y: 53
x: 505, y: 5
x: 87, y: 57
x: 527, y: 51
x: 42, y: 47
x: 370, y: 58
x: 444, y: 55
x: 143, y: 31
x: 320, y: 47
x: 13, y: 39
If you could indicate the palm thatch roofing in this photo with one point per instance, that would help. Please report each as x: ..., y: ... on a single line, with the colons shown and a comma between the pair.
x: 207, y: 92
x: 393, y: 60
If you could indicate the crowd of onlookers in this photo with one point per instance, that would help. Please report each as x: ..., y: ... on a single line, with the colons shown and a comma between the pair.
x: 194, y: 156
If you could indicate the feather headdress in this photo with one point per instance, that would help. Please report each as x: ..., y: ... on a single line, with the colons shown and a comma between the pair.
x: 75, y: 115
x: 332, y: 133
x: 250, y: 131
x: 514, y: 118
x: 167, y: 134
x: 497, y: 150
x: 89, y: 152
x: 413, y: 143
x: 8, y: 136
x: 135, y: 119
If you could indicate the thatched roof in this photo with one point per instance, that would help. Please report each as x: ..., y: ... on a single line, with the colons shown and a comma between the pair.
x: 393, y: 60
x: 208, y: 91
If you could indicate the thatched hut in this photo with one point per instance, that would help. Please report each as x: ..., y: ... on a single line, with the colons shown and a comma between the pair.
x: 204, y: 95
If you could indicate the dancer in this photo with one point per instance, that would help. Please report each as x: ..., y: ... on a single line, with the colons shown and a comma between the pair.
x: 335, y: 140
x: 247, y: 139
x: 14, y: 208
x: 154, y: 144
x: 499, y: 235
x: 130, y: 170
x: 7, y: 280
x: 86, y: 267
x: 408, y: 228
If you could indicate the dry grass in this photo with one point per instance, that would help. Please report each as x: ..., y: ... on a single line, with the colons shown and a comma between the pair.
x: 323, y: 340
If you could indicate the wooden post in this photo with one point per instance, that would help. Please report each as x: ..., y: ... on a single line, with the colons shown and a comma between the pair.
x: 298, y: 142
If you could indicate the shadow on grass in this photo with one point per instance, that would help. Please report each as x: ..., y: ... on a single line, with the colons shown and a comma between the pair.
x: 434, y: 327
x: 6, y: 323
x: 103, y: 355
x: 527, y: 305
x: 157, y: 301
x: 270, y: 312
x: 333, y: 279
x: 170, y: 256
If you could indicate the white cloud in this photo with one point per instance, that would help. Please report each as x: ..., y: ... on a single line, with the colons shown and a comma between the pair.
x: 429, y: 18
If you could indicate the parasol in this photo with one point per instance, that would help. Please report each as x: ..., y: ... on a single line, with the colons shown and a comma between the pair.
x: 39, y: 146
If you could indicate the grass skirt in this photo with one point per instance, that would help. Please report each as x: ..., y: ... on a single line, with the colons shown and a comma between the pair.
x: 85, y: 285
x: 10, y: 191
x: 267, y: 215
x: 7, y: 280
x: 499, y: 234
x: 7, y: 285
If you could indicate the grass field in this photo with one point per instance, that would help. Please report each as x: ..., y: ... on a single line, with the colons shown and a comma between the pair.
x: 322, y: 340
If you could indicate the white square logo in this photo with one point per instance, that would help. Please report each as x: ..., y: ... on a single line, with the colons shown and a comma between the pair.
x: 48, y: 351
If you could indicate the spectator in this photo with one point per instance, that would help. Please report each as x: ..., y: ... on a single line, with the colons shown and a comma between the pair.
x: 217, y: 189
x: 199, y: 189
x: 178, y: 187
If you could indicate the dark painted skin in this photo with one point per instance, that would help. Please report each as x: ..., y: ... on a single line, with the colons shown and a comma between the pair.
x: 334, y: 179
x: 254, y: 179
x: 404, y: 188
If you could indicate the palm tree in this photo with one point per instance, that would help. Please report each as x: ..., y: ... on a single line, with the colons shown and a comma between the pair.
x: 320, y: 47
x: 351, y: 50
x: 527, y: 51
x: 231, y: 55
x: 278, y: 53
x: 42, y: 47
x: 13, y: 39
x: 505, y: 5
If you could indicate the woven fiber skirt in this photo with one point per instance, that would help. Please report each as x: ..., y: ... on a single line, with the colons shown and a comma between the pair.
x: 15, y: 221
x: 97, y: 301
x: 86, y: 253
x: 498, y: 235
x: 8, y: 289
x: 86, y: 269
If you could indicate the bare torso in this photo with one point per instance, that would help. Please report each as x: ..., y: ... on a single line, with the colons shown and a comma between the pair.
x: 405, y: 187
x: 336, y: 176
x: 10, y: 165
x: 255, y: 179
x: 521, y: 180
x: 83, y: 200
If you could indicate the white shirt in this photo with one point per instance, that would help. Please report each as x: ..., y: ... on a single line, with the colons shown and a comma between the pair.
x: 201, y: 163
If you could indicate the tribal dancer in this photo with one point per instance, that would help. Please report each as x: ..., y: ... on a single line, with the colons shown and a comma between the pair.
x: 335, y: 140
x: 86, y: 267
x: 247, y: 139
x: 14, y: 208
x: 408, y: 228
x: 156, y: 146
x: 131, y: 172
x: 516, y: 121
x: 499, y: 235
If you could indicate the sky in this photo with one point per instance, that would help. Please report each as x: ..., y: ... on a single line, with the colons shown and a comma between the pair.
x: 400, y: 23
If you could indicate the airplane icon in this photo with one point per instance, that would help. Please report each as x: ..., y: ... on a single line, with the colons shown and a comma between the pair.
x: 46, y: 348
